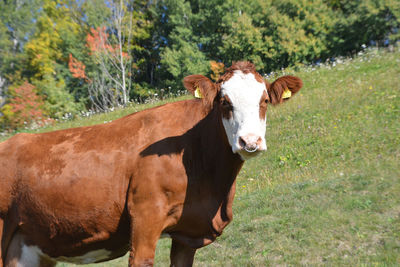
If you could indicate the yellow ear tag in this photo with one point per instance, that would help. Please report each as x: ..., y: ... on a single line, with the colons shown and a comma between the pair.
x: 197, y: 93
x: 286, y: 94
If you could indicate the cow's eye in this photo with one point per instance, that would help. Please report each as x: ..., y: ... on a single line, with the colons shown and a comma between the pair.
x: 266, y: 101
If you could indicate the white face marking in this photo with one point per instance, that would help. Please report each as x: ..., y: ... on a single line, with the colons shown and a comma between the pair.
x: 90, y: 257
x: 30, y: 256
x: 245, y: 93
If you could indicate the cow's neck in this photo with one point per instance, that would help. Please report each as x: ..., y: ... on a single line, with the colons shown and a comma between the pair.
x: 214, y: 167
x: 210, y: 147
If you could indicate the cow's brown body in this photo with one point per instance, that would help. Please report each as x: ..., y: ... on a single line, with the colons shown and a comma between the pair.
x: 93, y: 193
x: 72, y: 191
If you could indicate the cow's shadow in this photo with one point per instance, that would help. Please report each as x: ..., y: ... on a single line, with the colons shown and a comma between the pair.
x: 166, y: 146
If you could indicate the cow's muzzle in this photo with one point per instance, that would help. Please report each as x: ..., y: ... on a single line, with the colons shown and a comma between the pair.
x: 250, y: 143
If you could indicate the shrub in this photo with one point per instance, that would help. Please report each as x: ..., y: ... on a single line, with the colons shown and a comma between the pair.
x: 24, y: 108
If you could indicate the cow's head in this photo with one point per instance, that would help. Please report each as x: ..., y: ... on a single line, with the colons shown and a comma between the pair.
x: 242, y: 95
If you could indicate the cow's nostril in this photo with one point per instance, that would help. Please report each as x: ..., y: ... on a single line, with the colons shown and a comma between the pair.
x: 259, y: 141
x: 242, y: 142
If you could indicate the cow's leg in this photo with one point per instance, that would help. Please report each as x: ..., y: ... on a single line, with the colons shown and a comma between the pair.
x: 147, y: 222
x: 181, y: 255
x: 8, y: 228
x: 14, y: 254
x: 145, y: 234
x: 20, y: 254
x: 1, y: 243
x: 44, y: 262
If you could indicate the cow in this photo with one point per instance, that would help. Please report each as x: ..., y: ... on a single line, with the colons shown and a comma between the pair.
x: 94, y: 193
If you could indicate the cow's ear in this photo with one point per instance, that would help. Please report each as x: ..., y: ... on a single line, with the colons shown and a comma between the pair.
x: 201, y: 87
x: 283, y: 88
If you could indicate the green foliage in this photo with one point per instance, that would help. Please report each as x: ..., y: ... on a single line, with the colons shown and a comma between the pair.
x: 47, y: 57
x: 143, y: 91
x: 96, y: 12
x: 291, y: 31
x: 142, y: 46
x: 359, y: 22
x: 16, y: 27
x: 5, y: 45
x: 173, y: 38
x: 182, y: 57
x: 43, y: 49
x: 58, y: 102
x: 244, y: 41
x: 212, y: 22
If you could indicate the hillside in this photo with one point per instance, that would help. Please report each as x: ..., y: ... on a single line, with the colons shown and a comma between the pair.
x: 327, y: 190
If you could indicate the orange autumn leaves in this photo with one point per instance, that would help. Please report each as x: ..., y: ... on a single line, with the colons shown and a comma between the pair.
x: 76, y: 68
x: 217, y: 68
x: 25, y: 107
x: 97, y: 42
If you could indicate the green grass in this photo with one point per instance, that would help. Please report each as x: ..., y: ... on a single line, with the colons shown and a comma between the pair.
x: 327, y: 191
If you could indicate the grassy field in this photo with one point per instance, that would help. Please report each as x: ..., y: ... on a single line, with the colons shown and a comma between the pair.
x: 327, y: 191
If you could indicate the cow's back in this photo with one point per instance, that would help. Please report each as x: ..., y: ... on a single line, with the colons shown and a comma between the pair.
x: 87, y: 157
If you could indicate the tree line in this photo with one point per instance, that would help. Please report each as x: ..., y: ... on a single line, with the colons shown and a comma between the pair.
x: 60, y: 57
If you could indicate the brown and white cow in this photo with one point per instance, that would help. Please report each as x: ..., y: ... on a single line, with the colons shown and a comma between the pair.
x: 91, y: 194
